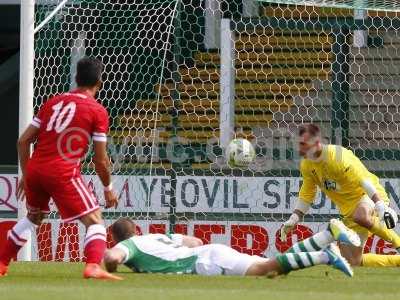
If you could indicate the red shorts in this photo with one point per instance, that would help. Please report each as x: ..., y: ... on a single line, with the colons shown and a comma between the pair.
x: 71, y: 195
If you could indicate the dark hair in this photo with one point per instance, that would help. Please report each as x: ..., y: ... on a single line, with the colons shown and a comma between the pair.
x: 123, y: 229
x: 88, y: 72
x: 312, y: 129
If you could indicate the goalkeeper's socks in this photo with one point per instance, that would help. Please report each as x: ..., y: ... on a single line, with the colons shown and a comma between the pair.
x: 383, y: 232
x: 317, y: 242
x: 380, y: 260
x: 16, y: 238
x: 294, y: 261
x: 95, y: 244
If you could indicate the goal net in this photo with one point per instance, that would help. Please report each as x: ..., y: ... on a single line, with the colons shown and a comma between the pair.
x: 378, y: 5
x: 184, y: 77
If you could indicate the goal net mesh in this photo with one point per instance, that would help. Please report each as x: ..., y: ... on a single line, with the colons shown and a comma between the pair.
x: 379, y: 5
x: 166, y: 71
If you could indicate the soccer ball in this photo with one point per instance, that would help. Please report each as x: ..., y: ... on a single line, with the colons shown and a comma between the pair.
x: 240, y: 153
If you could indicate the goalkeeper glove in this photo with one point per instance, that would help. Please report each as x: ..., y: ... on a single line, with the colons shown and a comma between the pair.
x: 288, y: 226
x: 386, y: 215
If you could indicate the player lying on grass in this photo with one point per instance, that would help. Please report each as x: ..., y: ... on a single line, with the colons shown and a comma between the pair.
x: 63, y: 128
x: 357, y: 193
x: 180, y: 254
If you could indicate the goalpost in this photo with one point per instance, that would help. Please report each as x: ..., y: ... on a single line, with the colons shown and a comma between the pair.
x: 26, y: 90
x: 27, y: 54
x: 181, y: 79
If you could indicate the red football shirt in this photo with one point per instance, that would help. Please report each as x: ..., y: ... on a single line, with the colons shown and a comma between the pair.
x: 67, y: 123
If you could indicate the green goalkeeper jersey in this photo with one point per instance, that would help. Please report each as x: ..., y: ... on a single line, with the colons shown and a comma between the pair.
x: 158, y: 253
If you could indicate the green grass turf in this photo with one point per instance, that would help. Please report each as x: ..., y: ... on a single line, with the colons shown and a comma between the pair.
x: 59, y: 281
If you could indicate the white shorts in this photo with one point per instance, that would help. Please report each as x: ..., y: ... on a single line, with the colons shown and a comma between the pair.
x: 217, y: 259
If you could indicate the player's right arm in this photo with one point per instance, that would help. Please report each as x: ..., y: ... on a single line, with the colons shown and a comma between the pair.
x: 120, y: 254
x: 114, y: 257
x: 307, y: 194
x: 28, y: 137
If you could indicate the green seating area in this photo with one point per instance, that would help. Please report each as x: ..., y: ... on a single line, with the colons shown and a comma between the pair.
x: 282, y: 78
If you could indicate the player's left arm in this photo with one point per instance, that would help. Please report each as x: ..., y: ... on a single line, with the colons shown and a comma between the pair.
x: 386, y: 214
x: 185, y: 240
x: 101, y: 159
x: 358, y: 175
x: 191, y: 241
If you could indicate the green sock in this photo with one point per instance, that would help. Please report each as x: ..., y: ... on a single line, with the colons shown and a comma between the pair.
x: 295, y: 261
x: 317, y: 242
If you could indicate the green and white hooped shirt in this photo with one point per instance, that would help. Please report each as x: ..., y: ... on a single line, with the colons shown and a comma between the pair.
x: 158, y: 253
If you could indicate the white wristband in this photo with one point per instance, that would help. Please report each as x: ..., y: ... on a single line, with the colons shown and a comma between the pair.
x: 108, y: 188
x: 380, y: 207
x: 302, y: 206
x: 368, y: 188
x: 293, y: 219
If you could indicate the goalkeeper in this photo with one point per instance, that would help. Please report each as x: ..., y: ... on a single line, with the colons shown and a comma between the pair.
x: 180, y: 254
x: 356, y: 192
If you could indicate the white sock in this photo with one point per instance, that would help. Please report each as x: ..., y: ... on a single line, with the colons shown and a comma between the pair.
x: 96, y: 231
x: 21, y: 231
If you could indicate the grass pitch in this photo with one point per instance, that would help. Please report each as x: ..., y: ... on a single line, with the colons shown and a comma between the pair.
x: 62, y: 281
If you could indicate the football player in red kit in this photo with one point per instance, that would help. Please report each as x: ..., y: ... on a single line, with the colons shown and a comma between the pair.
x: 63, y: 128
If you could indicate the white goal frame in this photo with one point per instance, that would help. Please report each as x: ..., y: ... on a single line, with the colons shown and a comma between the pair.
x: 26, y: 77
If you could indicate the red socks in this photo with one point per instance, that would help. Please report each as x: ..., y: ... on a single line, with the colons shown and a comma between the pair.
x: 9, y: 251
x: 16, y: 238
x: 95, y: 244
